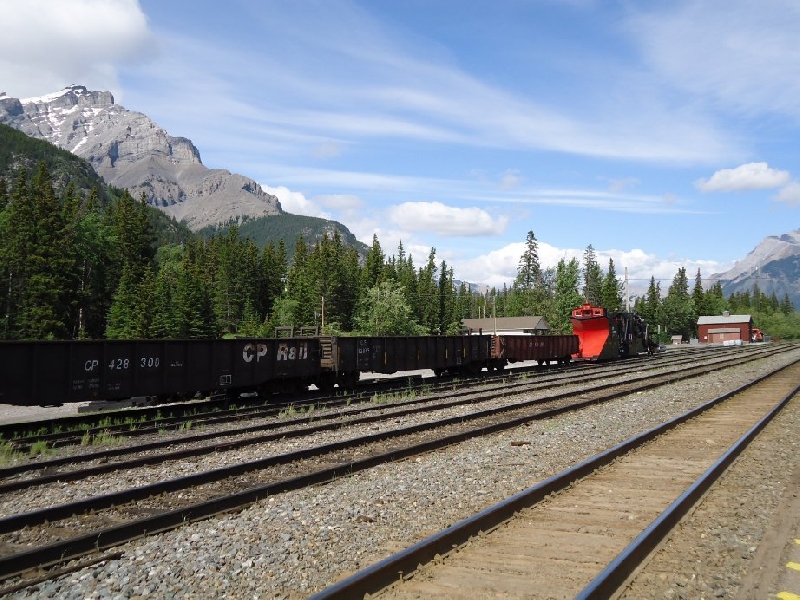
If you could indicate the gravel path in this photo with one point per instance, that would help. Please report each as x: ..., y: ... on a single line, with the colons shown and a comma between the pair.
x: 292, y: 544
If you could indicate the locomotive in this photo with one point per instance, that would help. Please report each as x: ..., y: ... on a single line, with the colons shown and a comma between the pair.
x: 48, y: 373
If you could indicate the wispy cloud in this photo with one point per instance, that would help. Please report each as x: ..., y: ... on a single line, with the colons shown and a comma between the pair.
x: 790, y: 194
x: 446, y: 220
x: 373, y: 82
x: 737, y: 53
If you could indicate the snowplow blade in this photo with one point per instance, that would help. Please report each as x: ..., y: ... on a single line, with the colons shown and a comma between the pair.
x: 593, y: 328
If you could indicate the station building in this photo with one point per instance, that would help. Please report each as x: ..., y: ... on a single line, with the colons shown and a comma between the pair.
x: 508, y: 325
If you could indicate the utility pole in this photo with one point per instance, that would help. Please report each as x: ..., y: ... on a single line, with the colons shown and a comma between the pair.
x: 627, y: 292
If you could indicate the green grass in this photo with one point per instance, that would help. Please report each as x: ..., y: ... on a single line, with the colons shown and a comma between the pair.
x: 39, y: 448
x: 8, y: 454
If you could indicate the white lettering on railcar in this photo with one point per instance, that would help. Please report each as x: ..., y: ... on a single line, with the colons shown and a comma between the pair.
x: 287, y: 352
x: 149, y: 362
x: 90, y: 365
x: 251, y: 351
x: 119, y: 364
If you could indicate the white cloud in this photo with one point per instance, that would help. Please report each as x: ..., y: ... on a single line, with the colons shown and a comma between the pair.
x: 510, y: 178
x: 327, y: 150
x: 446, y: 220
x: 499, y: 267
x: 617, y: 186
x: 295, y: 202
x: 63, y: 43
x: 750, y: 176
x: 790, y: 194
x: 343, y: 202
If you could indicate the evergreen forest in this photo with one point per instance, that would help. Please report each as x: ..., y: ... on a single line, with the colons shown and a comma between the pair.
x: 93, y: 262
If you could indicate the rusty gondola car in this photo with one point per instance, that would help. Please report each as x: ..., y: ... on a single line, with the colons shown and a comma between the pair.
x: 542, y: 348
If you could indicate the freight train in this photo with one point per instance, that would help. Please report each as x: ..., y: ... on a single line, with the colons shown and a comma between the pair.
x: 48, y: 373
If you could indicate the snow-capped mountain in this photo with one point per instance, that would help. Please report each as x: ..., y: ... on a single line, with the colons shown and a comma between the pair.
x: 130, y: 151
x: 774, y: 265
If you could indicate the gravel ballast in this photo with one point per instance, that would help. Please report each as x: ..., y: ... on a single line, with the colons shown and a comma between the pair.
x: 293, y: 544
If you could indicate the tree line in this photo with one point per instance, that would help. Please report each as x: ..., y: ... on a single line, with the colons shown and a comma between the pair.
x: 74, y: 266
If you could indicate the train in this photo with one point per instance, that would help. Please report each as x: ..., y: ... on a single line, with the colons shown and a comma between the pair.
x: 52, y: 373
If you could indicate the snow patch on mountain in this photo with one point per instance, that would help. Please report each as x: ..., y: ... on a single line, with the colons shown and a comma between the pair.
x: 130, y: 151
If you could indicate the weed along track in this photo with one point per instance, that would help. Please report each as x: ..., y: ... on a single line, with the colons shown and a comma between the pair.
x: 172, y: 489
x: 584, y: 531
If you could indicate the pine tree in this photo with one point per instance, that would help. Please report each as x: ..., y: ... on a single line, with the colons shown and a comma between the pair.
x: 122, y: 315
x: 427, y: 308
x: 650, y: 307
x: 44, y: 309
x: 786, y: 305
x: 301, y: 287
x: 273, y: 269
x: 678, y: 309
x: 374, y: 265
x: 566, y: 296
x: 592, y: 277
x: 698, y: 296
x: 611, y: 291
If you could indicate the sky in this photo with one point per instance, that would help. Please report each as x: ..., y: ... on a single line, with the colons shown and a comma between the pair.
x: 662, y: 133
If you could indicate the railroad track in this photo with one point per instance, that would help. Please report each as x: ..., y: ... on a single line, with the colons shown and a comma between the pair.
x: 584, y: 531
x: 234, y: 489
x: 27, y: 475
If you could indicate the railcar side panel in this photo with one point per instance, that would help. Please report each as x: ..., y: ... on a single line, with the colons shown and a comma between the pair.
x: 535, y: 347
x: 438, y: 353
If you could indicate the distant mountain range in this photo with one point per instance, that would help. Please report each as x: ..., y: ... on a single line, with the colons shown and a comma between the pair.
x: 773, y: 265
x: 128, y: 150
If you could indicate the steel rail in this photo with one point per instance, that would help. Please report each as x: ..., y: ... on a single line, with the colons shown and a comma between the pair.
x: 11, y: 471
x: 62, y: 551
x: 172, y: 415
x: 337, y: 421
x: 383, y: 573
x: 617, y: 572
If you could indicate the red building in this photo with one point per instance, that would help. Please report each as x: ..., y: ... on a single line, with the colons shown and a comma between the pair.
x: 725, y: 328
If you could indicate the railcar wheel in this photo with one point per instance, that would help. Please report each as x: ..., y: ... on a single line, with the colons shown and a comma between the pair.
x: 350, y: 380
x: 326, y: 382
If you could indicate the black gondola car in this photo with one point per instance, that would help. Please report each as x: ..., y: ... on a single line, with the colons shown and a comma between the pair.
x: 344, y: 358
x: 53, y: 373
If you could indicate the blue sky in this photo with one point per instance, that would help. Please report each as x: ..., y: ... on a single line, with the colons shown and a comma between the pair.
x: 662, y: 133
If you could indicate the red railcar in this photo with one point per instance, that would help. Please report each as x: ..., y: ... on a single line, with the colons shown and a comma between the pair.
x: 541, y: 348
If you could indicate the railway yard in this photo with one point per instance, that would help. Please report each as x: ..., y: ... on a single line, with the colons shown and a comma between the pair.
x: 304, y: 499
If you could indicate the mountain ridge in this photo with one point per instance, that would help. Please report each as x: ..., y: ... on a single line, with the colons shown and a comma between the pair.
x: 773, y: 265
x: 130, y: 151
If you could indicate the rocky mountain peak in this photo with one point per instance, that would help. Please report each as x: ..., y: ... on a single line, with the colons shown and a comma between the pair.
x: 773, y: 265
x: 130, y: 151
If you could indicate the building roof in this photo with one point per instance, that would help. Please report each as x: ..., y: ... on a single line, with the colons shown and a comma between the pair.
x: 507, y: 324
x: 724, y: 319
